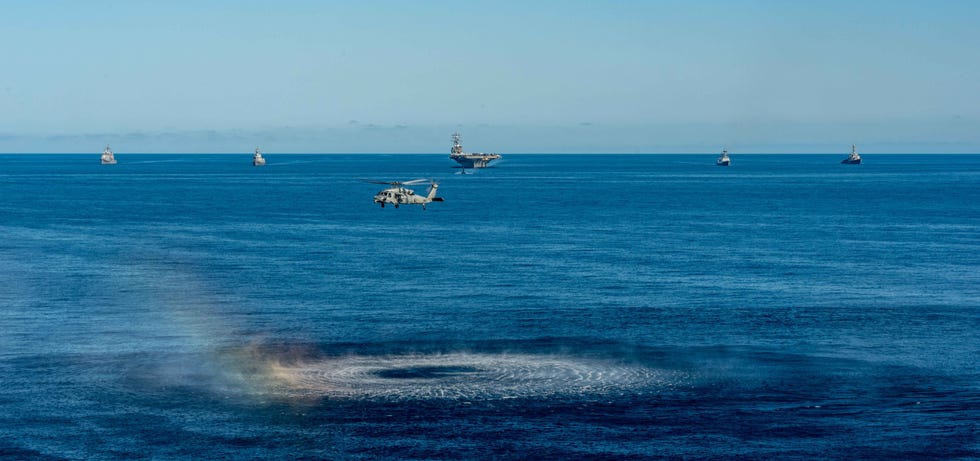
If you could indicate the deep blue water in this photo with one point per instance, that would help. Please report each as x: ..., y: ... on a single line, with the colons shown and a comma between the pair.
x: 593, y: 306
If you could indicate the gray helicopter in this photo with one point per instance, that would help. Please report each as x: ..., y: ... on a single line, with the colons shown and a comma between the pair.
x: 398, y: 194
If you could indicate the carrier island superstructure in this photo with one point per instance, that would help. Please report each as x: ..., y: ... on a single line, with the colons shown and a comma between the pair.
x: 474, y: 160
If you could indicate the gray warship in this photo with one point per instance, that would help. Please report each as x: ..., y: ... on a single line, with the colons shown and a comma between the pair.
x: 724, y: 160
x: 474, y: 160
x: 854, y: 158
x: 257, y: 159
x: 108, y: 158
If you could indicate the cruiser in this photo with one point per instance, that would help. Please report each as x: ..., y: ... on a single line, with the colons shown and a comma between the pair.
x: 474, y: 160
x: 107, y: 157
x: 723, y: 160
x: 854, y: 158
x: 257, y: 159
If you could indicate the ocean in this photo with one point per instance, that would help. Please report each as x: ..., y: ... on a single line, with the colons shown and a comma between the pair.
x: 552, y: 307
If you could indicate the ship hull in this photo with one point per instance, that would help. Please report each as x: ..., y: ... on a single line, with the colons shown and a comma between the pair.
x: 848, y: 161
x: 724, y: 163
x: 479, y: 162
x: 108, y: 162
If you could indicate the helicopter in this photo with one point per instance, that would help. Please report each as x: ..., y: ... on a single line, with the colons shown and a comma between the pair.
x: 398, y: 194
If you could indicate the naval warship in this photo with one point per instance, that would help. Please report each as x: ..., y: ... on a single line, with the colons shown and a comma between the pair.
x: 474, y: 160
x: 854, y: 158
x: 724, y: 160
x: 257, y: 159
x: 107, y: 157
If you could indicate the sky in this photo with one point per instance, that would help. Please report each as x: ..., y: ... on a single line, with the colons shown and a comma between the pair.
x: 512, y: 76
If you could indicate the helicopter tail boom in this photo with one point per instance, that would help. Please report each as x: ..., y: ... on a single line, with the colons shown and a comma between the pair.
x: 432, y: 193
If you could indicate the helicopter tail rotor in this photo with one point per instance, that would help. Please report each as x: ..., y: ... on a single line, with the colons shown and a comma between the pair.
x: 433, y: 187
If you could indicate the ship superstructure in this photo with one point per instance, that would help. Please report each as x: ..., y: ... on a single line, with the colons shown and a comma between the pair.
x: 108, y: 158
x: 854, y: 158
x: 474, y: 160
x: 257, y: 159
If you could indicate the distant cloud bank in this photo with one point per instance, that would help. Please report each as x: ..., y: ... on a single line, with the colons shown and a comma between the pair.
x: 957, y: 135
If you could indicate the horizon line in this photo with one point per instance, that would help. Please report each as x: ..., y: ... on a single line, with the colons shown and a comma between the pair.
x: 264, y: 153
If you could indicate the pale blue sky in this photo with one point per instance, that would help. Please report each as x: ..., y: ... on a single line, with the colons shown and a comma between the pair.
x: 543, y: 76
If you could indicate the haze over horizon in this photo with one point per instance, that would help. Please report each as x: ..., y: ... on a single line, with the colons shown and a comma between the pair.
x: 552, y: 76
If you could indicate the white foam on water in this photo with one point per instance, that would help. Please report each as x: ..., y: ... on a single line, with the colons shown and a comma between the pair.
x: 461, y: 376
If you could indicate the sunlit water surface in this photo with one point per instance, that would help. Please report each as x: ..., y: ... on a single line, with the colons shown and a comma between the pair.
x: 196, y: 307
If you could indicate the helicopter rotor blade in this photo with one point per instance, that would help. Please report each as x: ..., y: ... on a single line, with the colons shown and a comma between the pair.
x: 415, y: 181
x: 390, y: 183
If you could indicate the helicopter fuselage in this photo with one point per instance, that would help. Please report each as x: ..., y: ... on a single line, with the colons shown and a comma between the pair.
x: 395, y: 196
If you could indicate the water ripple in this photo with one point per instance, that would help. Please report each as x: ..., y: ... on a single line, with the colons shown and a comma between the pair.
x: 460, y: 375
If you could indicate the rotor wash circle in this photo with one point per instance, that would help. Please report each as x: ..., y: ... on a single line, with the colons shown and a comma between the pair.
x: 462, y: 376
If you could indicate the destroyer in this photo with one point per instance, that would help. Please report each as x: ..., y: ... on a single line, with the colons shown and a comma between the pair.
x: 854, y: 158
x: 723, y: 160
x: 474, y: 160
x: 107, y: 156
x: 257, y: 159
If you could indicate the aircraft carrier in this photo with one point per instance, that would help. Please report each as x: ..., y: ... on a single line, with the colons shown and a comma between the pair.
x: 474, y: 160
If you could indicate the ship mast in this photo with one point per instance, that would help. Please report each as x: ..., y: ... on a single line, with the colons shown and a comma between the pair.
x: 457, y: 147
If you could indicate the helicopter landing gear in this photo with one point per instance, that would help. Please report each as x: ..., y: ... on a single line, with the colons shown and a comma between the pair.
x: 382, y: 204
x: 396, y: 205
